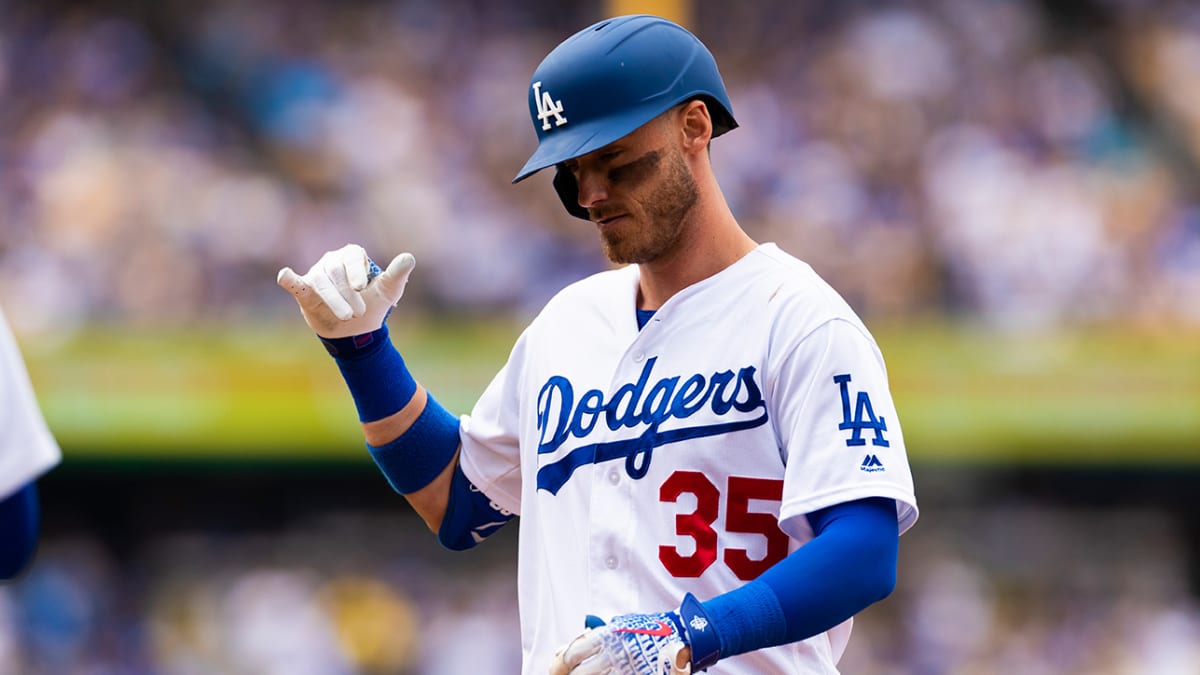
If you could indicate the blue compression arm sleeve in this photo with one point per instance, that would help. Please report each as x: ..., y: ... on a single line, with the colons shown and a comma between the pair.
x: 19, y: 516
x: 849, y: 564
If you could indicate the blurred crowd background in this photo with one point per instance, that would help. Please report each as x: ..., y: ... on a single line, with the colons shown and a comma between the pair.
x: 1012, y: 163
x: 1017, y: 162
x: 291, y: 574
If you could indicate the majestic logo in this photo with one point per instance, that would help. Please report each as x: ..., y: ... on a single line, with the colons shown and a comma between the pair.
x: 864, y: 416
x: 547, y: 107
x: 871, y: 464
x: 560, y: 417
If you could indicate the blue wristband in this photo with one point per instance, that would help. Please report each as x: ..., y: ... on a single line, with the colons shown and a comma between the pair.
x: 414, y: 459
x: 374, y: 372
x: 702, y: 634
x: 750, y: 618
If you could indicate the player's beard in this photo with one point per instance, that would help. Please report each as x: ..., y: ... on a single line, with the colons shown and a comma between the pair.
x: 666, y: 209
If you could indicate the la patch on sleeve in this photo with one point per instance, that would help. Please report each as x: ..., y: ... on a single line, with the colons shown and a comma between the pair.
x: 860, y: 418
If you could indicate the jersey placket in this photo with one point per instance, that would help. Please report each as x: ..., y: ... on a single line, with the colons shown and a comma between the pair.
x: 614, y: 495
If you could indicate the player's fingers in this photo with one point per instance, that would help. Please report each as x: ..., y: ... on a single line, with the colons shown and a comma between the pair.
x: 573, y: 659
x: 673, y: 661
x: 594, y: 665
x: 313, y: 306
x: 305, y: 294
x: 356, y: 266
x: 324, y: 288
x: 336, y: 270
x: 558, y: 667
x: 391, y: 281
x: 291, y: 282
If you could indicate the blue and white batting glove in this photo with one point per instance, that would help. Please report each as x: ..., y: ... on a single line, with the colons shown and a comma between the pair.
x: 344, y: 294
x: 642, y: 644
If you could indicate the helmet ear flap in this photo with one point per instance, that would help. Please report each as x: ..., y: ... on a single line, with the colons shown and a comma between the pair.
x: 568, y: 191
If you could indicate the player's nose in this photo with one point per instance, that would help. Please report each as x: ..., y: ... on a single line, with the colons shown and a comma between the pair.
x: 593, y: 188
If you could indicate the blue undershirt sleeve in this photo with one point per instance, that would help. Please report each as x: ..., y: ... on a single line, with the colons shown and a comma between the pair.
x: 19, y: 516
x: 849, y: 564
x: 470, y: 516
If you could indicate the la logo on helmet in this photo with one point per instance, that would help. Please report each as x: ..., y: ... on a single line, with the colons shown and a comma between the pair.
x: 547, y: 107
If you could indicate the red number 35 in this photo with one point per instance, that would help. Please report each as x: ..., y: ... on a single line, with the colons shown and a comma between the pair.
x: 738, y: 518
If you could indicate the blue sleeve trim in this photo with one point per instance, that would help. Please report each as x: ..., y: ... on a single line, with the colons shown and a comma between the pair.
x: 470, y: 516
x: 849, y: 564
x: 19, y: 520
x: 420, y: 454
x: 374, y: 372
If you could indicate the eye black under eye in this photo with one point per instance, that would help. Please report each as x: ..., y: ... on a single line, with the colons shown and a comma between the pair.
x: 637, y: 170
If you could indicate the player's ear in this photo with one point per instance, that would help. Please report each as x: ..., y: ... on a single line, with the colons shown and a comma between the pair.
x: 696, y: 125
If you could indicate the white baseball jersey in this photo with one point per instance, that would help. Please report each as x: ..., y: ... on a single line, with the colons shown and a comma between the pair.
x: 682, y: 457
x: 27, y: 449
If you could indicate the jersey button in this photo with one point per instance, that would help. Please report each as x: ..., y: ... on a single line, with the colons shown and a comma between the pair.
x: 611, y: 563
x: 637, y: 358
x: 614, y: 477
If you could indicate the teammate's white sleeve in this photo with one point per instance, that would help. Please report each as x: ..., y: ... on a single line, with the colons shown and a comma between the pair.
x: 27, y: 449
x: 838, y: 427
x: 490, y: 456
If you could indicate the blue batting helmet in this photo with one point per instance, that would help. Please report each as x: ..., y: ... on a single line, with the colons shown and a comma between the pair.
x: 612, y: 77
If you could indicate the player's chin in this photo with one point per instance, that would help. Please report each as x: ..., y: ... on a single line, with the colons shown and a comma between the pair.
x: 610, y: 233
x: 622, y: 251
x: 615, y: 249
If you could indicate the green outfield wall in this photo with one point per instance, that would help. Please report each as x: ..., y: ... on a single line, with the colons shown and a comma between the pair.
x: 965, y: 394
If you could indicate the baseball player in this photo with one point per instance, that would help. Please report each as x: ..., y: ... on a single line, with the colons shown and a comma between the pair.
x: 701, y: 443
x: 27, y: 450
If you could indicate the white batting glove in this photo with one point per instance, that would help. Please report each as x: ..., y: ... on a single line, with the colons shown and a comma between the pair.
x: 632, y: 644
x: 668, y: 643
x: 340, y: 297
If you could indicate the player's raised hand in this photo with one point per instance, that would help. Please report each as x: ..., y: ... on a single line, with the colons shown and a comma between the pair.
x: 344, y: 293
x: 631, y: 644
